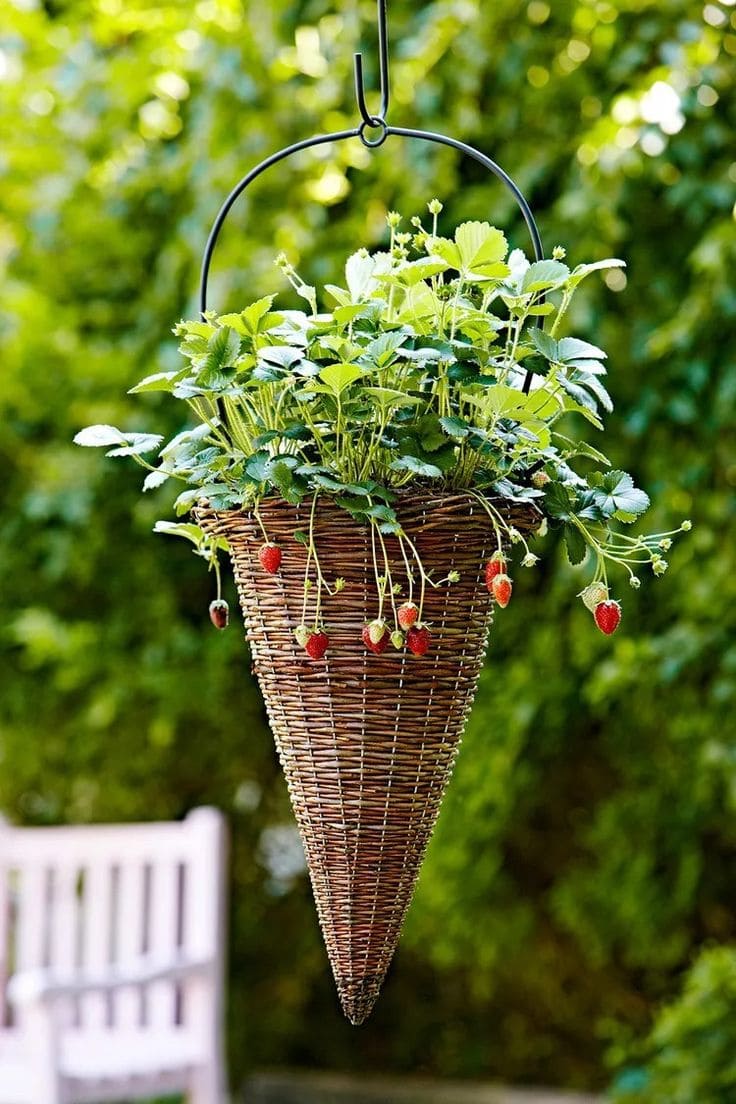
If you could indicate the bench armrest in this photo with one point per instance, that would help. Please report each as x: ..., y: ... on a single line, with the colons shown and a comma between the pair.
x: 34, y: 986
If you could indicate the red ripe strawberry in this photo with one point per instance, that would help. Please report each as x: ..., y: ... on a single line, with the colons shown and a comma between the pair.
x: 501, y: 590
x: 496, y: 566
x: 270, y: 557
x: 607, y: 616
x: 375, y: 646
x: 317, y: 644
x: 418, y: 639
x: 407, y: 614
x: 219, y: 613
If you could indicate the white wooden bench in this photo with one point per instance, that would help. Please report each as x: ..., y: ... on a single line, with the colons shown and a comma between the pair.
x: 111, y: 945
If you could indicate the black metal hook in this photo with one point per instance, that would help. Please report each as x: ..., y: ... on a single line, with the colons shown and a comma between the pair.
x: 371, y: 122
x: 368, y: 119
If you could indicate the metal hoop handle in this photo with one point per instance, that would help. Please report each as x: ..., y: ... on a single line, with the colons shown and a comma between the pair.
x: 359, y: 132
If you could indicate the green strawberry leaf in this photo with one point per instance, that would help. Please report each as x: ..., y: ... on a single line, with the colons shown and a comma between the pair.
x: 155, y: 479
x: 614, y: 492
x: 256, y: 466
x: 99, y: 436
x: 181, y: 529
x: 137, y: 443
x: 575, y: 545
x: 579, y: 273
x: 418, y: 467
x: 544, y: 344
x: 543, y: 276
x: 481, y: 248
x: 159, y: 381
x: 339, y: 376
x: 559, y: 501
x: 572, y: 348
x: 454, y: 426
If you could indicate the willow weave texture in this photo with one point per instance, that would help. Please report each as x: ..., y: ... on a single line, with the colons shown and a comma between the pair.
x: 367, y: 742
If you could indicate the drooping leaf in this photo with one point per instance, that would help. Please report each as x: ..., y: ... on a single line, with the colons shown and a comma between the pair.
x: 580, y: 271
x: 185, y: 529
x: 544, y: 344
x: 217, y: 494
x: 99, y: 436
x: 159, y: 381
x: 575, y: 544
x: 417, y: 466
x: 582, y: 448
x: 595, y: 386
x: 136, y: 444
x: 185, y: 443
x: 155, y: 479
x: 594, y: 367
x: 381, y: 512
x: 572, y: 348
x: 559, y: 501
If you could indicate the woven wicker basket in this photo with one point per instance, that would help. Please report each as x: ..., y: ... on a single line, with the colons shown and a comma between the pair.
x: 367, y: 742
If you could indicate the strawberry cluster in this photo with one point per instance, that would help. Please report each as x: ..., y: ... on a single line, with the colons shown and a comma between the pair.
x: 410, y: 630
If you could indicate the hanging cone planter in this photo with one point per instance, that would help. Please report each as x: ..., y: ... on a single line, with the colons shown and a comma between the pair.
x: 369, y: 470
x: 367, y: 742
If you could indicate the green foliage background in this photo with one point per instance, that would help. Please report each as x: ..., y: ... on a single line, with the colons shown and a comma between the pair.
x: 585, y: 850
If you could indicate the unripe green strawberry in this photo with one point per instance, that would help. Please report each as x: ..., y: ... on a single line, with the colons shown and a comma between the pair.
x: 540, y: 479
x: 302, y: 635
x: 501, y: 590
x: 593, y: 595
x: 219, y: 613
x: 377, y: 630
x: 375, y: 646
x: 397, y: 639
x: 407, y: 614
x: 607, y: 616
x: 495, y: 566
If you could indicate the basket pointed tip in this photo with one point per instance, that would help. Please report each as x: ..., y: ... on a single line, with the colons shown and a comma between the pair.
x: 358, y: 1001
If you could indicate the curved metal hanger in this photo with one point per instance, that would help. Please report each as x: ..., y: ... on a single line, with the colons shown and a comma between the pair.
x: 369, y: 123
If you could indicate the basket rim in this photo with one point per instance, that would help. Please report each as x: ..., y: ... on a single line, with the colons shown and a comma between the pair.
x: 416, y: 494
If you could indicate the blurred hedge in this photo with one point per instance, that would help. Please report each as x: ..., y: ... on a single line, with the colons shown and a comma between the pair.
x: 689, y: 1054
x: 586, y: 845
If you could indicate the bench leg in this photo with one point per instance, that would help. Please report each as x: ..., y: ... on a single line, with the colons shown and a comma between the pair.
x: 206, y: 1087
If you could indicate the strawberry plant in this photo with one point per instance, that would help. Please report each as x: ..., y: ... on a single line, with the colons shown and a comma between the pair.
x: 443, y: 363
